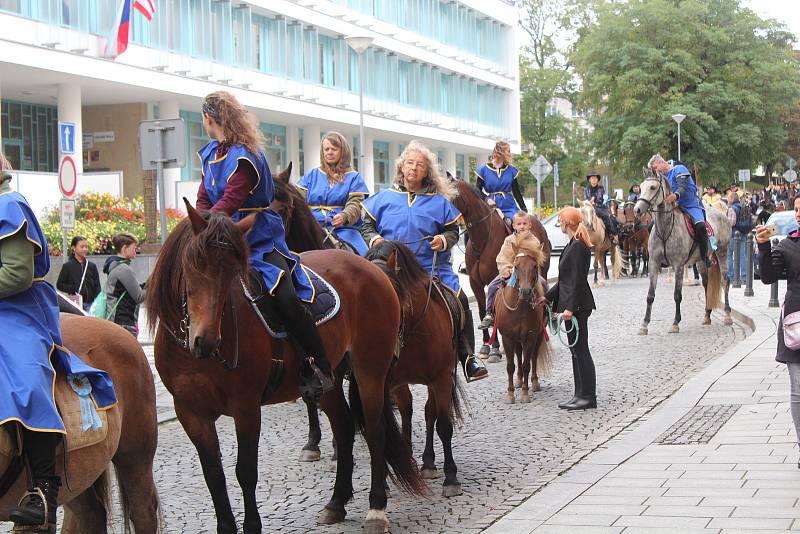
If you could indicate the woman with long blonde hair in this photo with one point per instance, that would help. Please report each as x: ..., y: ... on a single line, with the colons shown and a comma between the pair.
x: 237, y: 181
x: 572, y: 297
x: 334, y: 191
x: 417, y: 212
x: 497, y: 181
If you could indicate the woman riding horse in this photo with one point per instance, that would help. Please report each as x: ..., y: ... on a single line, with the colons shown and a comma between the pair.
x: 334, y: 191
x: 31, y: 352
x: 237, y: 181
x: 417, y: 212
x: 498, y: 181
x: 595, y: 193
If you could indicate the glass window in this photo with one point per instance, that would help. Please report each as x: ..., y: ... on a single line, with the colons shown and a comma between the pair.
x: 196, y: 139
x: 274, y: 145
x: 380, y: 158
x: 301, y: 168
x: 30, y: 136
x: 326, y: 61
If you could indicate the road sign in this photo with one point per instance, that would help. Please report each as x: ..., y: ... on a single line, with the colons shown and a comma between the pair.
x: 791, y: 163
x: 67, y: 176
x: 66, y: 137
x: 67, y: 214
x: 744, y: 175
x: 555, y: 174
x: 790, y: 176
x: 540, y: 168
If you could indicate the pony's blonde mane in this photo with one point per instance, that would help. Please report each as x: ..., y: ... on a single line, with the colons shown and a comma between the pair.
x: 530, y: 245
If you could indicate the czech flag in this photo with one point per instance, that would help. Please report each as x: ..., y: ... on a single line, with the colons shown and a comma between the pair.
x: 146, y: 7
x: 118, y: 39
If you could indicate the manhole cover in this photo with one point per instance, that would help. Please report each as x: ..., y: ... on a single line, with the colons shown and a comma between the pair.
x: 699, y: 425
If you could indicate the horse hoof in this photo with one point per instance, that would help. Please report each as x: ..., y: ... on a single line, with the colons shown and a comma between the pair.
x: 331, y: 467
x: 706, y: 321
x: 494, y: 358
x: 331, y: 517
x: 595, y: 285
x: 643, y: 331
x: 509, y: 398
x: 525, y: 398
x: 484, y: 352
x: 674, y: 329
x: 727, y: 321
x: 375, y: 526
x: 453, y: 490
x: 517, y: 383
x: 309, y: 456
x: 602, y: 284
x: 535, y: 386
x: 429, y: 473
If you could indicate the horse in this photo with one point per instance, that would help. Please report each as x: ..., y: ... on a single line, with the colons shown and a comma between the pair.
x: 602, y: 244
x: 633, y: 237
x: 130, y: 442
x: 428, y: 342
x: 521, y: 323
x: 670, y: 243
x: 197, y: 291
x: 486, y: 231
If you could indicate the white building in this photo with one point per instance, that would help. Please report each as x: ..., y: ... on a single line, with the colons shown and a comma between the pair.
x: 443, y: 71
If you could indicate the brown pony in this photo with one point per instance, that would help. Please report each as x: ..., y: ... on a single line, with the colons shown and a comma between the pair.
x: 486, y: 231
x: 521, y: 323
x: 130, y: 443
x: 428, y: 342
x: 634, y: 237
x: 196, y: 289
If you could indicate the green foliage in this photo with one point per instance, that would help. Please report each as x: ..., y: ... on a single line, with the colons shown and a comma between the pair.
x: 731, y: 73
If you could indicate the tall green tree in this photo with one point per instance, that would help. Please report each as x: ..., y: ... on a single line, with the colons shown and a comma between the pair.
x: 730, y: 72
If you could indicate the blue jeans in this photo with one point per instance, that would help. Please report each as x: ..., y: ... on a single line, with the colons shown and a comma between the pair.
x: 794, y: 395
x: 742, y: 256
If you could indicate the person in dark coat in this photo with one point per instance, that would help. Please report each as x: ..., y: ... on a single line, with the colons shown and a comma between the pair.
x: 595, y: 193
x: 572, y: 297
x: 78, y: 275
x: 784, y: 259
x: 123, y: 292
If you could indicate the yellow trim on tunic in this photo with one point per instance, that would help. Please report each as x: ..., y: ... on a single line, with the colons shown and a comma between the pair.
x: 218, y: 159
x: 258, y: 174
x: 23, y: 223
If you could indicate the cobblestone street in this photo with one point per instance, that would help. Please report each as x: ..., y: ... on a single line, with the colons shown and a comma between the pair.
x: 504, y: 452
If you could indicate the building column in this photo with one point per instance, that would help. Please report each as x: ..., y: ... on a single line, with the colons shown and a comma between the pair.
x: 171, y: 109
x: 69, y: 110
x: 311, y: 145
x: 449, y: 163
x: 293, y: 151
x: 368, y: 172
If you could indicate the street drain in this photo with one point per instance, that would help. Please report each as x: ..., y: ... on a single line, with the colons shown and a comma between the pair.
x: 699, y: 425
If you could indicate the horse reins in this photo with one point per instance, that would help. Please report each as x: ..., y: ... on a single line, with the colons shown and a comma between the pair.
x: 651, y: 208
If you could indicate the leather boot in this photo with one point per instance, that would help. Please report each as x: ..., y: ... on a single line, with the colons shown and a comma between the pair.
x: 701, y: 235
x: 35, y: 514
x: 474, y: 369
x: 576, y: 374
x: 586, y: 397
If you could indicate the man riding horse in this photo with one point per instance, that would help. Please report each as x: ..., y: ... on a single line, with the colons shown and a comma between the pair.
x: 595, y: 193
x: 684, y: 191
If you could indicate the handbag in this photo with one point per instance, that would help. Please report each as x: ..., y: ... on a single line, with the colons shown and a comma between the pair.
x: 791, y: 330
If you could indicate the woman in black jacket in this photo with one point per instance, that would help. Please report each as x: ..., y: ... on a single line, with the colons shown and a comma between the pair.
x: 774, y: 262
x: 572, y: 297
x: 78, y: 275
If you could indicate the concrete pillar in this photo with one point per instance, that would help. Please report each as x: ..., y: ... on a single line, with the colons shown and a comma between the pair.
x: 171, y: 109
x: 69, y: 110
x: 311, y: 144
x: 369, y: 162
x: 449, y: 163
x: 293, y: 151
x: 1, y: 116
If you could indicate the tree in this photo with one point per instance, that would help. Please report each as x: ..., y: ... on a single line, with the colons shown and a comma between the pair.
x: 730, y: 72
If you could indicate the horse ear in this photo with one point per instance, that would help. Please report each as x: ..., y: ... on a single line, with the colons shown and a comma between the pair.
x: 198, y: 222
x: 450, y: 176
x: 285, y: 174
x: 246, y: 224
x: 391, y: 261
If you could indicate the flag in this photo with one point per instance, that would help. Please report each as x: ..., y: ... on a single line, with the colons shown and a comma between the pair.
x: 146, y: 8
x: 118, y: 39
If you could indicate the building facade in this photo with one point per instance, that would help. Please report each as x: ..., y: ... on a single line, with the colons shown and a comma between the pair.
x: 442, y: 71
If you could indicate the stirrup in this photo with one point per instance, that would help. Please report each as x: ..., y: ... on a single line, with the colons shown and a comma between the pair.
x: 476, y: 378
x: 313, y: 387
x: 45, y: 527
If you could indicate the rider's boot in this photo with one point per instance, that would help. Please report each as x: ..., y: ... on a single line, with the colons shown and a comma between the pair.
x: 487, y: 322
x: 474, y: 369
x: 36, y: 512
x: 701, y: 234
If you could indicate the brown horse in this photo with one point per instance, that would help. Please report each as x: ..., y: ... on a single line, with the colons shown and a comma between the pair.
x: 634, y: 237
x: 521, y: 323
x: 195, y: 290
x: 428, y: 343
x: 130, y: 443
x: 486, y: 231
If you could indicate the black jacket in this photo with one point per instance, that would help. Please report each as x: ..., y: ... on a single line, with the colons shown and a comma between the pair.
x: 121, y: 285
x: 69, y: 279
x: 572, y: 291
x: 783, y: 259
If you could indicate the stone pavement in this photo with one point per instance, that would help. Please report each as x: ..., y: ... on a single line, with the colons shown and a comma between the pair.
x: 719, y: 456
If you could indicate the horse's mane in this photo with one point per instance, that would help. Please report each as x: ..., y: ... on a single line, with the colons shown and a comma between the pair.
x: 182, y: 251
x: 303, y: 232
x: 407, y: 271
x: 469, y: 193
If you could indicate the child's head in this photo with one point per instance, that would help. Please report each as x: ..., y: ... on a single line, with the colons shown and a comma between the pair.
x: 522, y: 222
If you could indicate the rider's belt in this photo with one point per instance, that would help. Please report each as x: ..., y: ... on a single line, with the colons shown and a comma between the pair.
x: 500, y: 193
x: 40, y: 279
x: 326, y: 209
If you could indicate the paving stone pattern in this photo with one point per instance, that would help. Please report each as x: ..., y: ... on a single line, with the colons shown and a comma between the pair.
x: 699, y: 425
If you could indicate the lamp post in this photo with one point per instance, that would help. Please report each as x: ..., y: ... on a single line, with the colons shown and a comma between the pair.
x: 678, y: 117
x: 359, y: 44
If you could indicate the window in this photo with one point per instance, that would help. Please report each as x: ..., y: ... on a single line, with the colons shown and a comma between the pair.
x: 274, y: 145
x: 30, y: 136
x: 301, y: 168
x: 196, y: 139
x: 460, y: 172
x: 380, y: 158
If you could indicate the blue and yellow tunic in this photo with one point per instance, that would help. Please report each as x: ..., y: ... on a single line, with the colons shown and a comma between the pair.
x: 681, y: 182
x: 327, y: 199
x: 31, y: 351
x: 498, y: 185
x: 267, y: 233
x: 410, y: 218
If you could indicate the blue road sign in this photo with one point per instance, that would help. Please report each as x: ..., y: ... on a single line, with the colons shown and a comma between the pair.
x: 66, y: 137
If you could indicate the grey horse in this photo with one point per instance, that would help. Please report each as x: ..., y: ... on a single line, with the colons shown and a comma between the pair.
x: 671, y: 244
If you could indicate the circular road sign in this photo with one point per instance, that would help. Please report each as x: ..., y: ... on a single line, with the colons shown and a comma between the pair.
x: 790, y: 176
x: 67, y: 177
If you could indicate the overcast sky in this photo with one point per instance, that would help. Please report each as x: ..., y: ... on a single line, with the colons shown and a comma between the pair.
x: 786, y: 11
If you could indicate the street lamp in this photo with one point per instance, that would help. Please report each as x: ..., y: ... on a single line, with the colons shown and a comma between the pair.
x: 678, y: 117
x: 359, y: 44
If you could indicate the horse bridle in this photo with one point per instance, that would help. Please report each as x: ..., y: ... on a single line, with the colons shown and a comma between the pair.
x: 477, y: 253
x: 531, y: 302
x: 651, y: 208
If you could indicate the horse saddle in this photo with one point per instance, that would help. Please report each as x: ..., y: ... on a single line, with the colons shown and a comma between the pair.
x: 450, y: 298
x: 324, y: 306
x: 690, y: 225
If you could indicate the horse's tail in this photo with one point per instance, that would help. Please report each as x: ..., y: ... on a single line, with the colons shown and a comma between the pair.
x: 124, y: 503
x: 456, y: 409
x: 544, y: 356
x: 404, y: 471
x: 714, y: 287
x: 616, y: 262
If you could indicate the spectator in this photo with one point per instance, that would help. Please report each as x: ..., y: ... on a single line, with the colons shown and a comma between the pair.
x: 123, y: 292
x: 765, y: 209
x: 739, y: 216
x: 79, y: 277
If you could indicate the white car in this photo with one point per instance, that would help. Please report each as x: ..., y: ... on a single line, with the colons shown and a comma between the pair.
x: 558, y: 239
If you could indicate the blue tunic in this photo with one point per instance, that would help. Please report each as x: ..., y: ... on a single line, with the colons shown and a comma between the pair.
x: 267, y: 233
x: 327, y: 200
x: 31, y: 351
x: 497, y: 185
x: 398, y: 217
x: 688, y: 200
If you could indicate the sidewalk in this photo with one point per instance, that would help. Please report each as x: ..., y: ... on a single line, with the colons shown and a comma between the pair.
x: 719, y: 456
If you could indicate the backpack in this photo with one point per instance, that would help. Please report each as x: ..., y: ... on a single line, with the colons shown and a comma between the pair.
x: 99, y: 307
x: 744, y: 220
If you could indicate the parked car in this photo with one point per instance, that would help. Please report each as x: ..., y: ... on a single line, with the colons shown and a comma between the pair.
x: 786, y: 224
x: 558, y: 239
